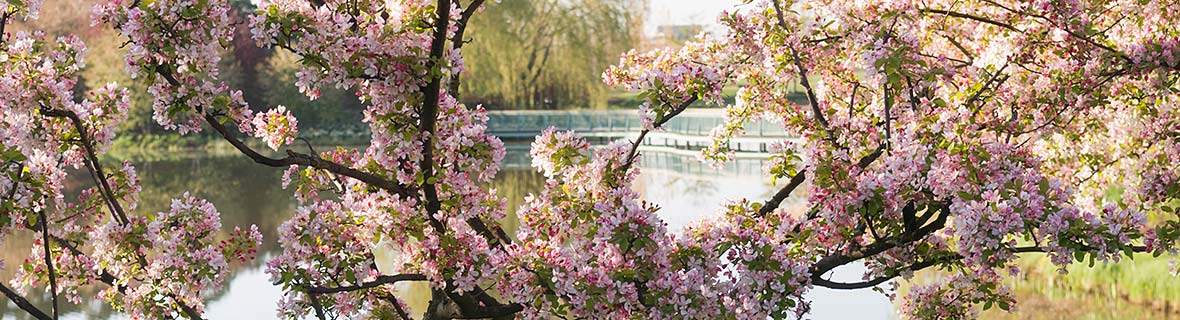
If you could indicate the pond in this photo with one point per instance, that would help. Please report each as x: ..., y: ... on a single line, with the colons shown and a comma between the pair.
x: 246, y: 193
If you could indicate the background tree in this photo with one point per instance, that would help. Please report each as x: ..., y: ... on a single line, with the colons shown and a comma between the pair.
x: 547, y: 54
x: 335, y: 111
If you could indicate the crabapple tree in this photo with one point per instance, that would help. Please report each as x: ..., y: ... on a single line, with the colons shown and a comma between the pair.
x: 936, y: 134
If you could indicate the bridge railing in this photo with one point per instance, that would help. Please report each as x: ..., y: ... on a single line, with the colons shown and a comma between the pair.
x: 699, y: 123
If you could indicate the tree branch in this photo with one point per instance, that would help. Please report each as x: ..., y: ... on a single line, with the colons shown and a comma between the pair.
x: 23, y: 303
x: 381, y: 280
x: 970, y: 17
x: 317, y: 306
x: 3, y: 26
x: 642, y: 134
x: 831, y: 262
x: 457, y: 41
x: 882, y: 279
x: 107, y: 191
x: 802, y: 71
x: 49, y: 261
x: 919, y: 266
x: 295, y: 158
x: 92, y: 161
x: 429, y: 113
x: 783, y: 193
x: 798, y: 178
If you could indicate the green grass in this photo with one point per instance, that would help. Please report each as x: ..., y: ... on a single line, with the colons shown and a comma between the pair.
x: 161, y: 142
x: 1143, y: 288
x: 1145, y: 278
x: 155, y: 147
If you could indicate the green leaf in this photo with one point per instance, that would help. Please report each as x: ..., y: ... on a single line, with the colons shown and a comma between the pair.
x: 14, y: 155
x: 968, y: 196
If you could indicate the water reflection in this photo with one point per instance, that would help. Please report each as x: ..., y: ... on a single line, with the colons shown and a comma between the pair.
x: 247, y: 193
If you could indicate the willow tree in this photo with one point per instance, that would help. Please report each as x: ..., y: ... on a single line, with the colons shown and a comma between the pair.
x: 547, y: 54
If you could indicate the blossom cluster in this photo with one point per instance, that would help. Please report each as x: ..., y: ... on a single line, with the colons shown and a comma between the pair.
x: 277, y: 127
x: 595, y: 249
x: 175, y: 45
x: 667, y: 79
x: 149, y: 265
x: 187, y: 261
x: 952, y: 298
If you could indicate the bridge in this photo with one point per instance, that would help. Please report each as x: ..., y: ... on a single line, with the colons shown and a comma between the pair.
x: 686, y: 133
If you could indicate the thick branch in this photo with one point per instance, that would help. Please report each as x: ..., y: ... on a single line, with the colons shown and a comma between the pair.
x: 882, y: 279
x: 429, y: 112
x: 800, y: 176
x: 493, y: 312
x: 295, y: 158
x: 23, y: 303
x: 783, y: 193
x: 3, y: 26
x: 381, y: 280
x: 317, y: 306
x: 431, y: 94
x: 971, y: 17
x: 831, y: 262
x: 478, y: 304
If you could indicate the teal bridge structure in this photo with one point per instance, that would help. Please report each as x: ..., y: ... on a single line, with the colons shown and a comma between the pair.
x: 688, y: 132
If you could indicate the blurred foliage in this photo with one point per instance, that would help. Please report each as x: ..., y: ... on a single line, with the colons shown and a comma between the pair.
x: 335, y: 109
x: 522, y: 54
x: 546, y: 54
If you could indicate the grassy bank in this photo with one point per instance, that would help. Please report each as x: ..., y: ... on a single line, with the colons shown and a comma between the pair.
x: 139, y: 148
x: 1132, y: 289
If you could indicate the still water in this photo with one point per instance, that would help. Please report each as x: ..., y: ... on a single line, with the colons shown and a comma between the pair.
x: 247, y: 193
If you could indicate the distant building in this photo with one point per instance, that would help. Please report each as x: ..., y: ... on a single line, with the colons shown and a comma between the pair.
x: 673, y: 35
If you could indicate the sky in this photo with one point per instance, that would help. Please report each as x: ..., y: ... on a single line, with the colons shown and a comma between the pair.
x: 661, y: 12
